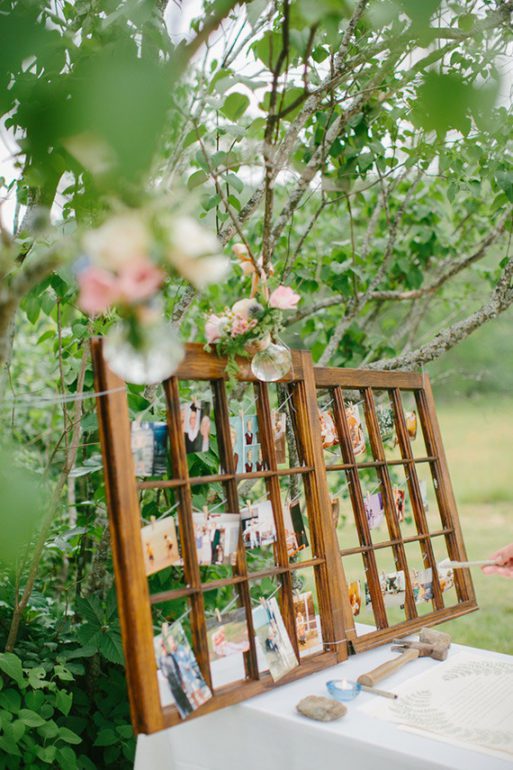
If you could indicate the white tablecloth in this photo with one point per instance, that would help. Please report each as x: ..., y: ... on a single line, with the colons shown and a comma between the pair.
x: 266, y: 733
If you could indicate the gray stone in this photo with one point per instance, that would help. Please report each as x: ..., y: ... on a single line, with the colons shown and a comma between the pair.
x: 320, y: 708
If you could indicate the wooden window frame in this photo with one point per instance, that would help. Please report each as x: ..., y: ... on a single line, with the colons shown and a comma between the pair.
x: 366, y: 382
x: 337, y: 622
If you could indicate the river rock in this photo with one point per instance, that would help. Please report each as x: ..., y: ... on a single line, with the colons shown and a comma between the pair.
x: 320, y: 708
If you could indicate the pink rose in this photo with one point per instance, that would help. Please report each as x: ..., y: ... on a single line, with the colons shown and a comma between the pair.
x: 98, y: 290
x: 139, y: 280
x: 214, y: 328
x: 241, y: 325
x: 284, y: 298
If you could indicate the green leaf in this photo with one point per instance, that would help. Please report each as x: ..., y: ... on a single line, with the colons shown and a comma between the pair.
x: 36, y: 677
x: 195, y: 179
x: 235, y: 105
x: 63, y: 701
x: 30, y: 718
x: 66, y: 758
x: 10, y: 700
x: 106, y: 737
x: 234, y: 181
x: 68, y: 736
x: 49, y: 730
x: 10, y: 746
x: 47, y: 754
x: 34, y: 700
x: 10, y: 664
x: 111, y: 647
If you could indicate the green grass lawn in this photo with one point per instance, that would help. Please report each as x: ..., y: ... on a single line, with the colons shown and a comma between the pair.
x: 478, y: 437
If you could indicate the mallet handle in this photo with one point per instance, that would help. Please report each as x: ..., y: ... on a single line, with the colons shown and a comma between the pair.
x: 377, y: 674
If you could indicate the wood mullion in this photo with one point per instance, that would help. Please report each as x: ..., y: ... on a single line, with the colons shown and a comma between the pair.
x: 419, y: 513
x: 125, y: 530
x: 443, y: 490
x: 336, y: 617
x: 362, y: 525
x: 191, y: 569
x: 394, y: 527
x: 272, y: 483
x: 226, y: 456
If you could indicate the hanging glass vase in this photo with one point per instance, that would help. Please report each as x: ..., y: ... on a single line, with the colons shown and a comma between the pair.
x: 272, y: 364
x: 256, y: 346
x: 146, y: 358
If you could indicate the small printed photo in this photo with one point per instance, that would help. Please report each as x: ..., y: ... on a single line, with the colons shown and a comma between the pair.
x: 160, y: 545
x: 335, y: 511
x: 368, y: 600
x: 422, y: 585
x: 149, y: 448
x: 395, y: 589
x: 354, y: 424
x: 253, y: 458
x: 279, y: 425
x: 217, y: 537
x: 374, y: 509
x: 196, y: 426
x: 307, y: 628
x: 178, y: 666
x: 411, y: 424
x: 355, y: 596
x: 251, y: 435
x: 424, y: 493
x: 446, y: 578
x: 227, y: 634
x: 399, y: 499
x: 329, y: 433
x: 261, y: 465
x: 295, y: 530
x: 272, y: 637
x: 237, y: 443
x: 258, y: 527
x: 386, y: 424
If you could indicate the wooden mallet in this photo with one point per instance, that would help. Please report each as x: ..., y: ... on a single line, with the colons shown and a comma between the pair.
x: 431, y: 643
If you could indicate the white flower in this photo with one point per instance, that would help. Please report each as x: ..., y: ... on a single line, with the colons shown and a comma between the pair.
x: 121, y: 240
x: 196, y: 253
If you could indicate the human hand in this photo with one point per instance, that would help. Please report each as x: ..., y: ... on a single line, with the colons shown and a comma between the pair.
x: 504, y: 559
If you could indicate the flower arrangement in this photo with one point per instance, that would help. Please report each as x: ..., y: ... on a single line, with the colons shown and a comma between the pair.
x: 251, y: 328
x: 124, y: 265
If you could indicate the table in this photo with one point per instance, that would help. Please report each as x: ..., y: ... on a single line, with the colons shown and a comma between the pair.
x: 266, y: 733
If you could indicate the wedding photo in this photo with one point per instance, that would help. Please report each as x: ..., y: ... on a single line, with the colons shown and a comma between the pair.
x: 279, y: 423
x: 273, y: 639
x: 374, y: 509
x: 149, y: 447
x: 217, y: 537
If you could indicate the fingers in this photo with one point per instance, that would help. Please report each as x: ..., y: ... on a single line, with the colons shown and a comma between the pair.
x: 506, y: 572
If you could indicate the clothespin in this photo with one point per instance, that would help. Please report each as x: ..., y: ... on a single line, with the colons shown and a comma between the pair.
x: 205, y: 511
x: 152, y: 521
x: 218, y: 615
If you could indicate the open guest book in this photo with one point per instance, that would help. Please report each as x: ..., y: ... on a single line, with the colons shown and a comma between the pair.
x: 252, y: 522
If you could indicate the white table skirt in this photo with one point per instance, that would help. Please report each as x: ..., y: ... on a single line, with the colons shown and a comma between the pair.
x: 266, y: 732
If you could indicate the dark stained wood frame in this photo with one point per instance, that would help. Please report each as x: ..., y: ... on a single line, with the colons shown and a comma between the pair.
x: 365, y: 382
x: 337, y: 622
x: 134, y: 599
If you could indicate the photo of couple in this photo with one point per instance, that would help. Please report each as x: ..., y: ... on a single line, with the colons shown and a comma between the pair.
x: 273, y: 639
x: 196, y: 426
x: 178, y: 666
x: 295, y: 530
x: 217, y: 537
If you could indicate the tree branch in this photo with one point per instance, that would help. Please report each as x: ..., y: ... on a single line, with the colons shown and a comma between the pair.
x: 500, y: 300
